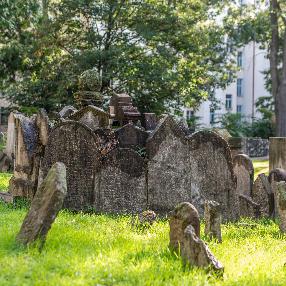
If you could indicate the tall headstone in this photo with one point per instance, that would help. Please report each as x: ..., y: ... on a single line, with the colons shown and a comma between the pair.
x: 212, y: 175
x: 277, y: 153
x: 168, y: 166
x: 262, y: 195
x: 244, y: 171
x: 75, y: 145
x: 45, y: 206
x: 121, y: 183
x: 248, y: 208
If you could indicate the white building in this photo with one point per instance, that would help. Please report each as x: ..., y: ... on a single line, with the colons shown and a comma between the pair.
x: 241, y: 95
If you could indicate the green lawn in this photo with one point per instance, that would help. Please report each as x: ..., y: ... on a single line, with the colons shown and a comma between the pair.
x: 260, y: 166
x: 84, y: 249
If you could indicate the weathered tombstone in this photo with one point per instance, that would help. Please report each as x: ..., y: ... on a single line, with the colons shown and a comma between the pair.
x: 213, y: 220
x: 11, y: 136
x: 121, y: 183
x: 130, y: 136
x: 280, y: 197
x: 235, y: 145
x: 106, y: 140
x: 195, y: 252
x: 92, y: 116
x: 262, y: 195
x: 168, y: 166
x: 25, y: 142
x: 67, y: 111
x: 45, y: 206
x: 275, y: 176
x: 248, y: 208
x: 76, y: 145
x: 211, y: 172
x: 277, y: 153
x: 184, y: 214
x: 244, y: 171
x: 150, y: 121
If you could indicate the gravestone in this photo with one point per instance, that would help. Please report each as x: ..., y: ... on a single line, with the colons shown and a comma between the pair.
x: 196, y: 253
x: 130, y: 136
x: 244, y: 171
x: 75, y: 145
x: 275, y: 176
x: 248, y: 208
x: 6, y: 163
x: 211, y: 172
x: 106, y: 140
x: 6, y: 197
x: 280, y: 197
x: 213, y: 220
x: 183, y: 215
x: 45, y: 206
x: 277, y: 153
x: 25, y: 144
x: 92, y: 116
x: 262, y: 195
x: 121, y: 184
x: 168, y: 166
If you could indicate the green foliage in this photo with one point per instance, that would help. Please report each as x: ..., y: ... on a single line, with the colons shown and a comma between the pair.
x: 234, y: 124
x: 164, y: 53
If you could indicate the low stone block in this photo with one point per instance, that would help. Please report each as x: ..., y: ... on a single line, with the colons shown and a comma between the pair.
x: 280, y: 197
x: 184, y: 214
x: 248, y: 208
x: 45, y: 206
x: 213, y: 220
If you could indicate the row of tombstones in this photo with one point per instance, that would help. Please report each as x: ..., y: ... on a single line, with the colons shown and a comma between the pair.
x: 130, y: 169
x: 264, y: 197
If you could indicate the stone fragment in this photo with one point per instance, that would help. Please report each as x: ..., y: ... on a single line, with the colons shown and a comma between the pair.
x: 75, y: 145
x: 92, y: 116
x: 280, y: 198
x: 121, y: 183
x: 183, y: 215
x: 45, y: 206
x: 275, y: 176
x: 262, y: 195
x: 248, y: 208
x: 130, y: 136
x: 212, y: 175
x: 168, y: 166
x: 213, y: 220
x: 244, y: 171
x: 148, y: 217
x: 196, y: 253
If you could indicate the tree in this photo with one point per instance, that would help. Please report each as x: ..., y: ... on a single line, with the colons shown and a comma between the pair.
x: 165, y: 54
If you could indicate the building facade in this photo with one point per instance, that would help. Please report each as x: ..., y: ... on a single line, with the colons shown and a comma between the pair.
x: 241, y: 95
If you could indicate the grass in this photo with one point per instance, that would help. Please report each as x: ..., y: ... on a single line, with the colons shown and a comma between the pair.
x: 85, y: 249
x: 260, y: 166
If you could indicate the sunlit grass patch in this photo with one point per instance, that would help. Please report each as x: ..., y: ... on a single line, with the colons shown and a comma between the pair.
x: 260, y: 166
x: 4, y: 181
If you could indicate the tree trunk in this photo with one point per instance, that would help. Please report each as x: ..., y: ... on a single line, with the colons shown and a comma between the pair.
x: 281, y: 98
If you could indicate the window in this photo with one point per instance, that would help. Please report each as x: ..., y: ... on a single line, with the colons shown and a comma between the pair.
x: 228, y: 101
x: 212, y: 116
x: 239, y: 59
x: 239, y: 109
x: 189, y: 114
x: 239, y: 87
